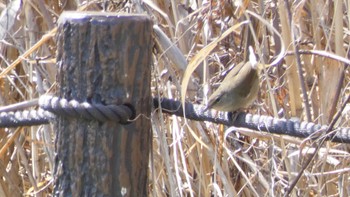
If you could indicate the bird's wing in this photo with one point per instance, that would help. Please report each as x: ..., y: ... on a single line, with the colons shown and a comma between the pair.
x: 248, y: 79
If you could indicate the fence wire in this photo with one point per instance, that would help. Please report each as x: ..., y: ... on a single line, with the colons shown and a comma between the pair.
x: 50, y: 107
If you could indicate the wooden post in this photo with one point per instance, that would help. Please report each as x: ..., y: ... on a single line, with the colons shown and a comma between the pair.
x: 103, y: 58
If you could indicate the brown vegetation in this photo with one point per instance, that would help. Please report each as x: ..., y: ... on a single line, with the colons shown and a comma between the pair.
x: 198, y: 158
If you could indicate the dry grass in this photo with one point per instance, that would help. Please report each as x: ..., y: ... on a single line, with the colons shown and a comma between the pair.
x: 197, y: 158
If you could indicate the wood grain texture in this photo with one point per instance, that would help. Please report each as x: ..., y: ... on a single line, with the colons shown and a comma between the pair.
x: 103, y: 58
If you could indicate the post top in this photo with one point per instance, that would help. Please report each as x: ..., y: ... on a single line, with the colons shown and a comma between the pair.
x: 83, y: 16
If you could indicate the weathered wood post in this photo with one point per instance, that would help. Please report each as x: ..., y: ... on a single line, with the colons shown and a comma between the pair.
x: 103, y: 58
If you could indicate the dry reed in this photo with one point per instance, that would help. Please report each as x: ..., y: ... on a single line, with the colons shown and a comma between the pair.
x: 195, y: 42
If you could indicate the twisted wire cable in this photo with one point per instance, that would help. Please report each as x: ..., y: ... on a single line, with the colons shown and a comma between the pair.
x: 25, y: 118
x: 292, y: 127
x: 51, y: 106
x: 85, y: 110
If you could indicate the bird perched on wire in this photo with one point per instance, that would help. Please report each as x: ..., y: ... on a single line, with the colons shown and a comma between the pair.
x: 239, y: 89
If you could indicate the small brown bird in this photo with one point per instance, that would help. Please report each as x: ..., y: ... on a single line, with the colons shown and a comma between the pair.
x: 238, y: 90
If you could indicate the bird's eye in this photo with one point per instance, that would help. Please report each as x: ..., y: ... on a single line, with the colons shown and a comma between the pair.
x: 217, y: 100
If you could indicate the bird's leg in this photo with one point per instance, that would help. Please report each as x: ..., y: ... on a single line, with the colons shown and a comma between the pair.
x: 233, y: 115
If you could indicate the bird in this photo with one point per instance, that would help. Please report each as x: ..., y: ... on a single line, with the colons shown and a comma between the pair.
x: 238, y: 90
